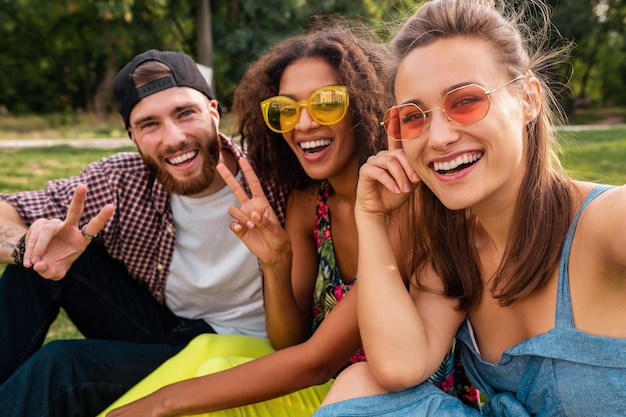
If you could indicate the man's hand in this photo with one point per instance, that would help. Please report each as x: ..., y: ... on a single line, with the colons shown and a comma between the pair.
x: 53, y: 245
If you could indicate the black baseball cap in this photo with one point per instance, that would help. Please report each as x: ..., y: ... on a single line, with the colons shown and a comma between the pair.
x: 185, y: 73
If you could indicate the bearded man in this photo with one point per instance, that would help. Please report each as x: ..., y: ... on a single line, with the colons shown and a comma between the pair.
x: 136, y: 249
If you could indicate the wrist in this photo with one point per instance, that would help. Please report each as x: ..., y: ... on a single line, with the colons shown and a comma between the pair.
x: 18, y: 251
x: 370, y: 217
x: 278, y: 262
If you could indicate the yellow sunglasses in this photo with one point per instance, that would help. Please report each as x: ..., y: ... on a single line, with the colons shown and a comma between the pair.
x: 326, y: 106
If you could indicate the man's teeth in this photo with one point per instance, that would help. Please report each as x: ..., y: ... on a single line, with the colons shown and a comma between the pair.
x: 461, y: 160
x: 183, y: 158
x: 315, y: 144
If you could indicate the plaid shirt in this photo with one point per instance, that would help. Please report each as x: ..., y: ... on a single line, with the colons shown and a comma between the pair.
x: 141, y: 232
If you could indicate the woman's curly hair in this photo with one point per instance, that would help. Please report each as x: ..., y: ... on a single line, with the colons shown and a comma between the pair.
x: 358, y: 59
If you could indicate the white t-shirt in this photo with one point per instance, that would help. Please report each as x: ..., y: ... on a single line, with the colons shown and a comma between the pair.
x: 213, y: 275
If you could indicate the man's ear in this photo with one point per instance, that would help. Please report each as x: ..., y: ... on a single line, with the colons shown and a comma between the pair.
x: 214, y: 112
x: 131, y: 136
x: 532, y: 99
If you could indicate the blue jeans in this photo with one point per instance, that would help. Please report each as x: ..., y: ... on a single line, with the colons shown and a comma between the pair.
x: 128, y: 334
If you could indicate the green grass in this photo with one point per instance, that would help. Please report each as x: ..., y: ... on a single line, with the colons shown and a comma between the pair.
x: 29, y: 169
x: 592, y: 155
x: 60, y: 126
x: 72, y: 126
x: 595, y: 155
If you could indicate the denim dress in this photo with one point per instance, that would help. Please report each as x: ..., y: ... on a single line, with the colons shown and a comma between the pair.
x: 563, y: 372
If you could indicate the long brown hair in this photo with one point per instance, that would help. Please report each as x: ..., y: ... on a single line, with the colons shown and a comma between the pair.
x: 442, y: 238
x: 358, y: 59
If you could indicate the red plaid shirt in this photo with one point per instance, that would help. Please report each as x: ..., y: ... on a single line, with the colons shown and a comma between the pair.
x: 141, y: 232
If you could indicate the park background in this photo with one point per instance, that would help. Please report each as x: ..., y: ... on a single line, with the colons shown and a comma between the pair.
x: 59, y: 58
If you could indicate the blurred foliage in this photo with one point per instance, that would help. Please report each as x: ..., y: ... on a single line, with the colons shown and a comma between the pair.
x: 597, y: 65
x: 62, y: 55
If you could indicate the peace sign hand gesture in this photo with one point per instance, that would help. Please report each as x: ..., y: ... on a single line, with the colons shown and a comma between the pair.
x: 255, y: 222
x: 52, y: 246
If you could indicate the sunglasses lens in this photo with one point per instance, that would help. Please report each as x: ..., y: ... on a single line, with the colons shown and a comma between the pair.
x: 280, y: 113
x: 467, y: 104
x: 328, y: 105
x: 404, y: 122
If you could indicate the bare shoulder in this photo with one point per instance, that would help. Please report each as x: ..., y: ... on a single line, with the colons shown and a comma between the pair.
x: 603, y: 223
x: 301, y: 208
x: 606, y: 207
x: 597, y: 265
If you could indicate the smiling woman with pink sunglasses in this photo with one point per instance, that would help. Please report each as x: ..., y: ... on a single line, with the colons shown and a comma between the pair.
x: 524, y: 265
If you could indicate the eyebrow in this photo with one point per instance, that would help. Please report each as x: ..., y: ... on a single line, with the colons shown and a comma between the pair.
x: 291, y: 96
x: 443, y: 92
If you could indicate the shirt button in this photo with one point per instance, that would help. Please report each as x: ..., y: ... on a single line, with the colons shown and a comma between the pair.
x: 169, y: 228
x: 160, y: 267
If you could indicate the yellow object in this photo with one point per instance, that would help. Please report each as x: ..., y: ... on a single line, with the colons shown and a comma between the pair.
x: 211, y: 353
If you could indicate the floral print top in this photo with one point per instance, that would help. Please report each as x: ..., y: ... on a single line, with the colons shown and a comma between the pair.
x: 329, y: 288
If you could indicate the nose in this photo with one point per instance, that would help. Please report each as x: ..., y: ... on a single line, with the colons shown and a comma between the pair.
x: 173, y: 134
x: 442, y: 131
x: 305, y: 121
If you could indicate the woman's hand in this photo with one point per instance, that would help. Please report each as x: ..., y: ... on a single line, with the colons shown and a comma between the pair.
x: 385, y: 182
x: 149, y: 406
x: 255, y: 222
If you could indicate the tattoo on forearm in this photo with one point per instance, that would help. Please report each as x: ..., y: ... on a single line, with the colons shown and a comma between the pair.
x: 7, y: 234
x: 7, y: 245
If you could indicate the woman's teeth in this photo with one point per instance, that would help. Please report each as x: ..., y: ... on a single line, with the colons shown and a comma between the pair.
x: 455, y: 163
x: 314, y: 144
x: 183, y: 158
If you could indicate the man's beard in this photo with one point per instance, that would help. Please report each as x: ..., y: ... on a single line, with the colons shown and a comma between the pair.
x: 194, y: 185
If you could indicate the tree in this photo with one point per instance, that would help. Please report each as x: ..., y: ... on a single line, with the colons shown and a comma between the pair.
x: 205, y: 34
x: 596, y: 27
x: 72, y: 49
x: 62, y: 55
